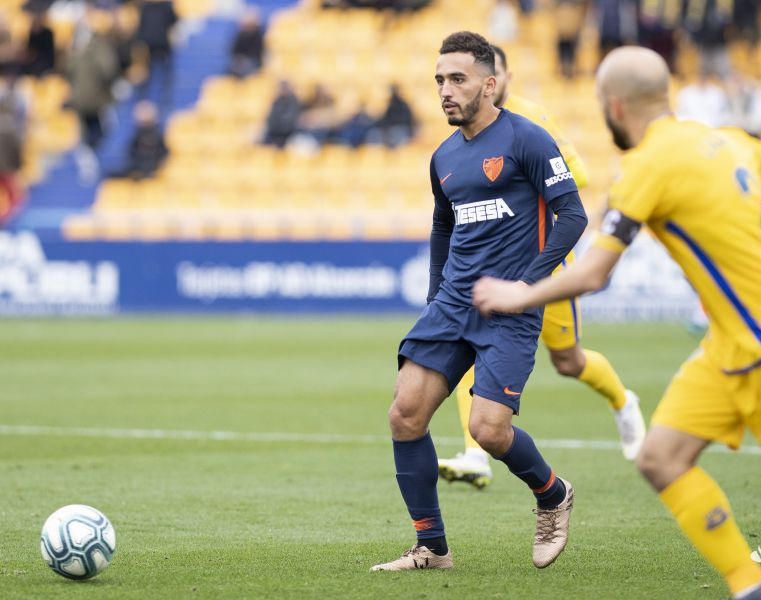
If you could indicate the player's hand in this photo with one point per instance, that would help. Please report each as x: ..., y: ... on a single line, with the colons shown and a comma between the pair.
x: 492, y: 295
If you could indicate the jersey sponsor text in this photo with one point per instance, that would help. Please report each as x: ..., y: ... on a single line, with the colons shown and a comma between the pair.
x: 484, y: 210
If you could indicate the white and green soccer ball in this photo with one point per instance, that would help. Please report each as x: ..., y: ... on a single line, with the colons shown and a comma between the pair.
x: 78, y: 541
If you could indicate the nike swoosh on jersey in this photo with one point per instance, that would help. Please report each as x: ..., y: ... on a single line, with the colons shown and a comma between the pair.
x: 510, y: 392
x: 443, y: 179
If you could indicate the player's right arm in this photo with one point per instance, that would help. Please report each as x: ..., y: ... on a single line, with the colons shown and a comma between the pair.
x: 441, y: 233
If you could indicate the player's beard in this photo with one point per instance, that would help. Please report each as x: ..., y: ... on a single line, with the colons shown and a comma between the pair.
x: 468, y: 111
x: 620, y: 137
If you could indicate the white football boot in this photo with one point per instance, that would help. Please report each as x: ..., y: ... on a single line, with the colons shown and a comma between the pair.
x: 631, y: 426
x: 471, y: 466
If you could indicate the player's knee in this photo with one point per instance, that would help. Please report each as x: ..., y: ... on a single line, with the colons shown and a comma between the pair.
x: 568, y: 364
x: 654, y: 465
x: 405, y: 422
x: 491, y: 437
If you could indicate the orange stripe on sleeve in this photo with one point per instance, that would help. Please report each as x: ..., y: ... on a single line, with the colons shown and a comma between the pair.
x: 542, y: 207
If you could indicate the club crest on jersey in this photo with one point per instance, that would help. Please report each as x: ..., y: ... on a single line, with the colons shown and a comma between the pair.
x: 493, y: 167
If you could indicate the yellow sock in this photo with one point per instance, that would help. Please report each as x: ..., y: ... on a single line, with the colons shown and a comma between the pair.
x: 600, y: 375
x: 464, y: 402
x: 702, y: 510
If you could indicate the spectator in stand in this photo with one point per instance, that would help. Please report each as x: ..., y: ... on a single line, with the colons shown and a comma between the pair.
x: 569, y: 19
x: 658, y: 23
x: 397, y: 124
x: 707, y: 22
x: 247, y: 52
x: 92, y: 69
x: 704, y: 101
x: 744, y: 95
x: 8, y: 50
x: 39, y: 58
x: 283, y: 118
x: 318, y: 117
x: 157, y: 18
x: 147, y: 149
x: 123, y: 35
x: 503, y: 22
x: 616, y: 24
x: 746, y: 22
x: 356, y: 130
x: 12, y: 126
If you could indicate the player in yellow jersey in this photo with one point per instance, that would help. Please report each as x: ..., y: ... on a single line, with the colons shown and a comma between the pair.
x: 560, y: 332
x: 698, y: 190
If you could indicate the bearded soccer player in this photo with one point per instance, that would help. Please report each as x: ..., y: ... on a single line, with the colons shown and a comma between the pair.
x: 561, y: 328
x: 698, y: 190
x: 496, y: 185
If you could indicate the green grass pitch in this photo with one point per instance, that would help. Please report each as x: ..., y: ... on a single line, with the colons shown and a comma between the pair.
x: 304, y: 509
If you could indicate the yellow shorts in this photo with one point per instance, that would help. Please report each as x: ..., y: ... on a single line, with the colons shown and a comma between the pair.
x: 703, y: 401
x: 562, y: 320
x: 562, y: 325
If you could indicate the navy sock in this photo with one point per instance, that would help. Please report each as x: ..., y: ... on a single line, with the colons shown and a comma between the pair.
x: 436, y: 545
x: 525, y: 462
x: 417, y: 472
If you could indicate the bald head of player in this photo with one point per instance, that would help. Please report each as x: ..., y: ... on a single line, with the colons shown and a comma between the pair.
x: 633, y: 89
x: 466, y: 82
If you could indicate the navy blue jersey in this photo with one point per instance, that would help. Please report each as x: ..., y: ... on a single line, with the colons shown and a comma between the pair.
x: 498, y: 189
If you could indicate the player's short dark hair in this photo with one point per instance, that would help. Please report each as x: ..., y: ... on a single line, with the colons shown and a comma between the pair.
x: 499, y: 52
x: 471, y: 43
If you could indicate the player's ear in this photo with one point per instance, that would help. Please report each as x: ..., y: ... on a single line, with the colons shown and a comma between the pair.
x: 490, y: 84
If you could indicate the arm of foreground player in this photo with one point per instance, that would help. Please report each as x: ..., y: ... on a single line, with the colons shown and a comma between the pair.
x: 441, y: 233
x: 587, y: 274
x: 570, y: 224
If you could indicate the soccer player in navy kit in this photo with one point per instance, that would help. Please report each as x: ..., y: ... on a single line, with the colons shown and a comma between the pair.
x: 496, y: 182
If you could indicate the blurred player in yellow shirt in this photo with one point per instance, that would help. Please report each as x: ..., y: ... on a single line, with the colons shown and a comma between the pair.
x: 561, y: 330
x: 698, y: 190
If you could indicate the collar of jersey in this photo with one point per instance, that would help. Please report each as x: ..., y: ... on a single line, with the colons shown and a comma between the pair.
x: 502, y: 112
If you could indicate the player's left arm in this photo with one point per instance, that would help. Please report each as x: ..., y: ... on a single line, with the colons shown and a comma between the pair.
x: 587, y: 274
x: 570, y: 224
x: 545, y: 167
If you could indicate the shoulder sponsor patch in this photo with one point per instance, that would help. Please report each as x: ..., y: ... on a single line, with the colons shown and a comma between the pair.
x: 558, y: 165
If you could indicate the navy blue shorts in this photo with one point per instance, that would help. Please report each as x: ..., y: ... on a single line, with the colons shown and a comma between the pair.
x: 450, y: 339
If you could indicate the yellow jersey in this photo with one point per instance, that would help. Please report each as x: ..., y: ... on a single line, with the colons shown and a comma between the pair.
x: 698, y: 190
x: 539, y: 115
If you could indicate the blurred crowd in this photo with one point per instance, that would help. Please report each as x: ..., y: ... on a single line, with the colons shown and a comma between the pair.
x: 662, y: 25
x: 116, y: 48
x: 722, y: 96
x: 122, y: 49
x: 394, y: 5
x: 315, y: 121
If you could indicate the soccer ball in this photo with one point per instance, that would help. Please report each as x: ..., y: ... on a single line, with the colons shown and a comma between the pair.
x: 78, y: 541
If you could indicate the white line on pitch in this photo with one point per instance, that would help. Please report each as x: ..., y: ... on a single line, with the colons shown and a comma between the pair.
x: 316, y: 438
